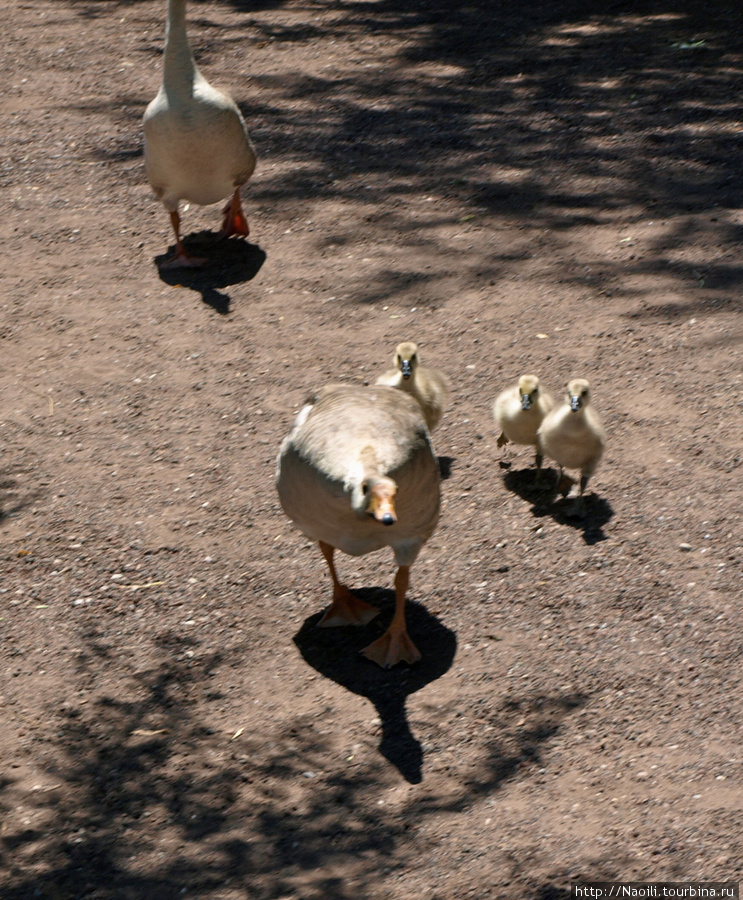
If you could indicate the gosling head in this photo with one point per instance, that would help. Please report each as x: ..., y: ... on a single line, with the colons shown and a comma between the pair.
x: 577, y: 395
x: 529, y: 390
x: 379, y: 499
x: 406, y: 358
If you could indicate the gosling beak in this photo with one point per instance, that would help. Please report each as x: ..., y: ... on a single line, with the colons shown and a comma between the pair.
x: 525, y: 401
x: 406, y: 368
x: 575, y: 403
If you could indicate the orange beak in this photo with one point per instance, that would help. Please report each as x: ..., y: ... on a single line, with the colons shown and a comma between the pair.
x: 382, y: 504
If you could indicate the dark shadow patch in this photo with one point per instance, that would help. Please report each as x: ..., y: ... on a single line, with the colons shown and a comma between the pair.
x: 700, y: 306
x: 120, y: 153
x: 336, y: 654
x: 14, y: 495
x: 446, y: 464
x: 227, y: 262
x: 552, y: 892
x: 522, y: 727
x: 538, y: 489
x: 590, y: 517
x: 389, y: 283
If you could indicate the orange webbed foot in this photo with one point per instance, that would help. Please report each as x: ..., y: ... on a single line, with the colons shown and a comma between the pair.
x: 235, y: 220
x: 392, y: 648
x: 183, y: 261
x: 347, y: 609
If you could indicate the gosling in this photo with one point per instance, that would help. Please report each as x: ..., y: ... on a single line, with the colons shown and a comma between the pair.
x: 430, y: 387
x: 572, y: 434
x: 519, y: 411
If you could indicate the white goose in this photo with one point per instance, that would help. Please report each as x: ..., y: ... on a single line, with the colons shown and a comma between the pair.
x: 357, y: 473
x: 430, y: 387
x: 519, y: 411
x: 572, y: 433
x: 197, y: 146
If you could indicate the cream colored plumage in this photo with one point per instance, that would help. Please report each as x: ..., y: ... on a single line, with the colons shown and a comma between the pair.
x: 197, y: 146
x: 520, y: 410
x: 430, y: 387
x: 357, y: 473
x: 572, y: 433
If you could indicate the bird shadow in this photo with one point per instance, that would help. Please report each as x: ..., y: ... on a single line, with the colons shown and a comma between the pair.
x: 446, y: 464
x: 589, y: 517
x: 336, y: 654
x: 227, y: 262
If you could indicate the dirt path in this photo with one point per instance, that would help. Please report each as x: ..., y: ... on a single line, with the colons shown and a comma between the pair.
x: 543, y: 187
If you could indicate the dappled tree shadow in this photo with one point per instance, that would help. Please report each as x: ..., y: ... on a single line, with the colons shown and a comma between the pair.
x: 529, y: 102
x: 521, y: 728
x: 15, y: 494
x: 523, y: 725
x: 139, y: 757
x: 277, y: 811
x: 507, y: 110
x: 335, y: 653
x: 118, y: 761
x: 674, y: 311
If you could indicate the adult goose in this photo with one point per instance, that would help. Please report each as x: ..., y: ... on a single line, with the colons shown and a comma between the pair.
x: 357, y: 473
x: 196, y: 144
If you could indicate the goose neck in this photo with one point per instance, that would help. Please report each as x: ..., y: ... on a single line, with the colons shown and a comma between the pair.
x: 362, y: 478
x: 179, y: 65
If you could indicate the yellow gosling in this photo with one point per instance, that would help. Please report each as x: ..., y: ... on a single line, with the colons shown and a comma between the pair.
x: 430, y: 387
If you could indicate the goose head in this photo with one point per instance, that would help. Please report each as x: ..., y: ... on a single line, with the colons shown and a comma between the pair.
x: 577, y: 396
x: 406, y: 358
x: 528, y: 390
x: 375, y: 497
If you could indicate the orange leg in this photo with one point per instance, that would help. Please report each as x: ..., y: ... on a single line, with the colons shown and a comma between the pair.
x: 235, y: 221
x: 395, y: 644
x: 345, y: 609
x: 181, y: 259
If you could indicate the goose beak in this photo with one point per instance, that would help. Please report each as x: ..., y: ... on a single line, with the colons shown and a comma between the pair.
x: 406, y: 368
x: 525, y: 401
x: 383, y: 511
x: 382, y: 506
x: 575, y: 403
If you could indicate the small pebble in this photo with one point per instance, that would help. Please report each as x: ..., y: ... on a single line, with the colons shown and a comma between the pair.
x: 685, y: 547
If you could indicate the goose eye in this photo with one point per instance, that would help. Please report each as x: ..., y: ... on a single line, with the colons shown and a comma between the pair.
x: 364, y: 489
